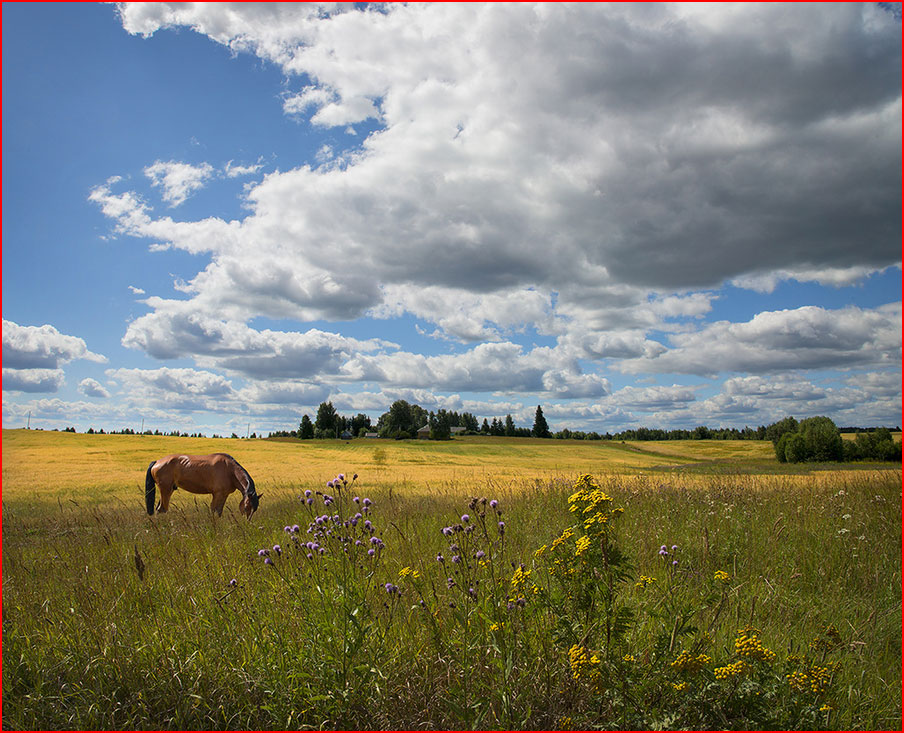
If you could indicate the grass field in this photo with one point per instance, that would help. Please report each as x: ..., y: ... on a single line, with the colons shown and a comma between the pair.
x: 598, y: 631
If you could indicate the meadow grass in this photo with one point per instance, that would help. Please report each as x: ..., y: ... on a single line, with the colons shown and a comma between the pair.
x: 503, y: 639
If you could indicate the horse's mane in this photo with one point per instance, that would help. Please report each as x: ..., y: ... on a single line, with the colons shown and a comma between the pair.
x: 250, y: 492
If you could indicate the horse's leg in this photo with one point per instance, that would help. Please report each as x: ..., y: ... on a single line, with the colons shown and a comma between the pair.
x: 166, y: 491
x: 218, y: 502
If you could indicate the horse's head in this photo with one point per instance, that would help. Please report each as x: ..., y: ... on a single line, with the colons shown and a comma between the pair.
x: 249, y: 504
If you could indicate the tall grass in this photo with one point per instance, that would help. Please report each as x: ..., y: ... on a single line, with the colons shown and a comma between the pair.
x: 112, y: 619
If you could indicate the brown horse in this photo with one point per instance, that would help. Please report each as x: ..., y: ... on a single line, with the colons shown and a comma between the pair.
x: 217, y: 474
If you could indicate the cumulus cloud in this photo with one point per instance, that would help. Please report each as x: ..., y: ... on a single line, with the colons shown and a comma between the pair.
x: 178, y: 180
x: 804, y: 338
x: 33, y: 380
x: 92, y: 388
x: 41, y: 347
x: 643, y: 153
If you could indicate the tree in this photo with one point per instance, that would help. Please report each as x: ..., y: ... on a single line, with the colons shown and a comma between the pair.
x: 306, y: 428
x: 509, y: 426
x: 440, y: 429
x: 541, y: 428
x: 822, y: 439
x: 326, y: 424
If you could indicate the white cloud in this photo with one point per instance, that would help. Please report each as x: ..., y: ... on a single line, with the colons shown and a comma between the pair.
x: 231, y: 170
x: 178, y: 180
x: 804, y: 338
x: 41, y: 347
x: 33, y: 380
x: 92, y: 388
x: 640, y: 152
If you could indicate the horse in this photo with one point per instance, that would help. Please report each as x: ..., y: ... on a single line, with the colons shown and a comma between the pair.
x: 218, y: 474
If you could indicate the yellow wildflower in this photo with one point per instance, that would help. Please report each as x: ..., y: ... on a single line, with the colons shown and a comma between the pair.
x: 582, y: 544
x: 722, y: 576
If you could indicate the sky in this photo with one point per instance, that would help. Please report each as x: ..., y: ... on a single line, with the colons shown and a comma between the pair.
x: 216, y: 216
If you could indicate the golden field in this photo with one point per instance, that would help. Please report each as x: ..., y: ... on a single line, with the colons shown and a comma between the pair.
x: 52, y: 467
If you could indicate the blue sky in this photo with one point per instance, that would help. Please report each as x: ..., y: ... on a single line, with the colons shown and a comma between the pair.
x: 216, y: 216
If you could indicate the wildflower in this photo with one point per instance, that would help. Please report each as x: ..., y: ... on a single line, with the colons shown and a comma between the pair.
x: 287, y: 529
x: 501, y: 527
x: 440, y: 558
x: 747, y: 644
x: 663, y: 551
x: 456, y: 559
x: 540, y: 551
x: 674, y: 548
x: 680, y: 686
x: 277, y: 549
x: 582, y: 544
x: 233, y: 582
x: 730, y: 670
x: 465, y: 518
x: 687, y: 662
x: 263, y: 553
x: 480, y: 555
x: 674, y: 562
x: 565, y: 723
x: 629, y: 658
x: 371, y: 552
x: 357, y: 499
x: 267, y: 561
x: 493, y: 503
x: 341, y: 477
x: 329, y: 484
x: 644, y: 581
x: 367, y: 502
x: 450, y: 583
x: 307, y: 493
x: 721, y: 576
x: 367, y: 525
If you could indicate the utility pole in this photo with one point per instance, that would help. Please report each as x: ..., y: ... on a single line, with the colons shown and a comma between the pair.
x: 28, y: 427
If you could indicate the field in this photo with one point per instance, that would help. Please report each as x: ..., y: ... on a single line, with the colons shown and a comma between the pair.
x: 730, y: 592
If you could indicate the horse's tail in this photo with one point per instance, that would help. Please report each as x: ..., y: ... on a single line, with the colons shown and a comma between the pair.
x: 150, y: 489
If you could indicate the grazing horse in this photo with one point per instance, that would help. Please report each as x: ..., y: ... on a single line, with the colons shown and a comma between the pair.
x: 217, y: 474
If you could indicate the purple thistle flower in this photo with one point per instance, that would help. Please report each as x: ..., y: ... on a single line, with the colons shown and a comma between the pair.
x: 501, y: 527
x: 663, y: 552
x: 309, y: 501
x: 374, y: 540
x: 674, y: 548
x: 356, y: 499
x: 368, y: 526
x: 450, y: 583
x: 494, y: 503
x: 277, y: 549
x: 447, y: 531
x: 674, y: 562
x: 456, y: 559
x: 341, y: 477
x: 268, y: 561
x: 367, y: 502
x: 263, y: 553
x: 307, y: 493
x: 310, y: 556
x: 233, y: 582
x: 295, y: 529
x: 355, y: 477
x: 480, y: 555
x: 440, y: 558
x: 358, y: 543
x: 371, y: 552
x: 329, y: 484
x: 287, y: 529
x: 465, y: 519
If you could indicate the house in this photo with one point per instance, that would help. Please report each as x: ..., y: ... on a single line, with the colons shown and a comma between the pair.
x: 371, y: 435
x: 424, y: 432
